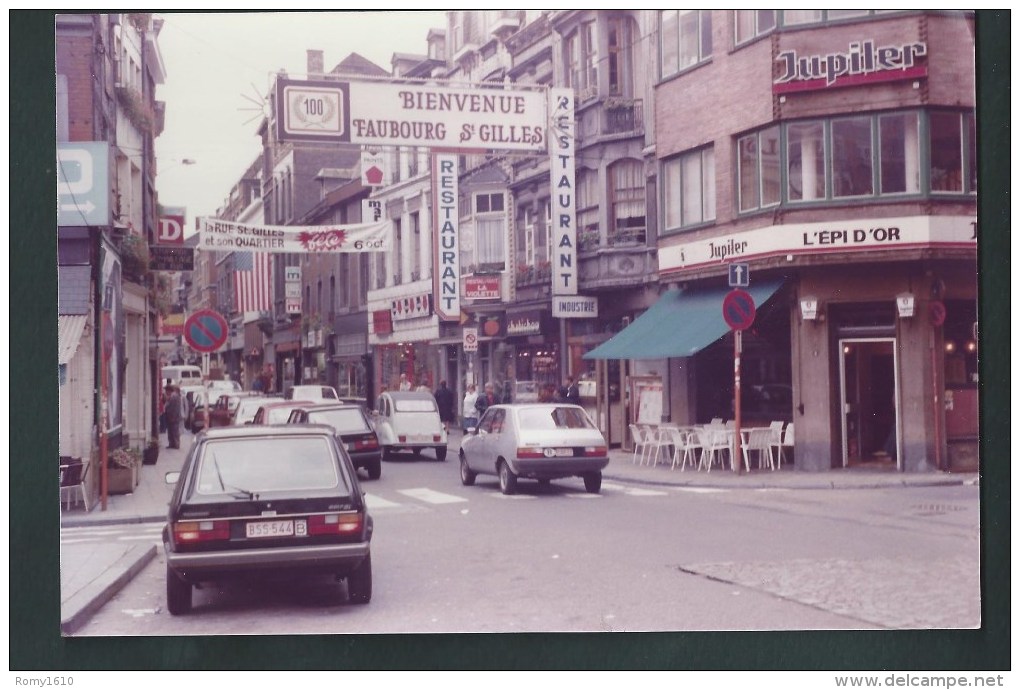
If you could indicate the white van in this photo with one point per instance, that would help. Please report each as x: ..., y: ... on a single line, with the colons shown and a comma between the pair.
x: 180, y: 375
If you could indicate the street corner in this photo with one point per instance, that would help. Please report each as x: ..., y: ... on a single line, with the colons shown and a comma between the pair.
x: 91, y: 575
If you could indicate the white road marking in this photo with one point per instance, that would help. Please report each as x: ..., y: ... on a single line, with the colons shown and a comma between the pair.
x: 376, y: 502
x: 496, y: 494
x: 430, y: 496
x: 584, y: 496
x: 700, y: 490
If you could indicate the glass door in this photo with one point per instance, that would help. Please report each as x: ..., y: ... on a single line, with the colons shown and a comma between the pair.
x: 869, y: 389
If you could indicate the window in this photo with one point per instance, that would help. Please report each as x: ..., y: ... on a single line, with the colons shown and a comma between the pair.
x: 758, y: 170
x: 398, y: 258
x: 620, y: 40
x: 686, y: 39
x: 332, y: 297
x: 851, y: 157
x: 582, y: 63
x: 490, y: 227
x: 899, y: 171
x: 749, y: 24
x: 587, y: 209
x: 946, y: 136
x: 345, y: 267
x: 792, y: 17
x: 800, y: 17
x: 689, y: 188
x: 627, y: 185
x: 416, y: 246
x: 805, y: 153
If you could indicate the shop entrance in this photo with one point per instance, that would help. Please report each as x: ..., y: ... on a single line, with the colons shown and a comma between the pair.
x: 868, y: 371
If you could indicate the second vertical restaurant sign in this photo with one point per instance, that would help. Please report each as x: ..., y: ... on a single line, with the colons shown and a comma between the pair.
x: 564, y: 233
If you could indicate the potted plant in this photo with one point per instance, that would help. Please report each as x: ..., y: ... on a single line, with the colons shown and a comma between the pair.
x: 151, y: 452
x: 122, y: 474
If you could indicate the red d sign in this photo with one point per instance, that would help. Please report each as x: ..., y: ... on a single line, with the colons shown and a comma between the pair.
x: 171, y: 230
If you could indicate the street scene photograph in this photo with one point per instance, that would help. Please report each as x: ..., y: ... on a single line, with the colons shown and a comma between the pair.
x: 520, y: 321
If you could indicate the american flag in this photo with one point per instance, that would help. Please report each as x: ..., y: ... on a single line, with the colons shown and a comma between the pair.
x: 253, y: 281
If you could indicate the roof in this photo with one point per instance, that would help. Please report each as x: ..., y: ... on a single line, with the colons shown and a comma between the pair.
x: 250, y: 430
x: 409, y: 395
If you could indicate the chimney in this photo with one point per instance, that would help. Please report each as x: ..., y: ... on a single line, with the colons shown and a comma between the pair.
x: 315, y: 63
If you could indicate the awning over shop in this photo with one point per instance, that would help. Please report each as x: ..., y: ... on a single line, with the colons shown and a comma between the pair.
x: 680, y: 324
x: 69, y: 330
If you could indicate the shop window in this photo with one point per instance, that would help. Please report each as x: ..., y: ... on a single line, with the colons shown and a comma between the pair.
x: 758, y: 169
x: 947, y: 146
x: 690, y: 189
x: 851, y: 157
x: 898, y: 151
x: 685, y: 40
x: 805, y: 151
x: 749, y: 24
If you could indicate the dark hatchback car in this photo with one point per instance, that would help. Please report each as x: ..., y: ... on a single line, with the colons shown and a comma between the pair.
x: 353, y: 429
x: 255, y: 502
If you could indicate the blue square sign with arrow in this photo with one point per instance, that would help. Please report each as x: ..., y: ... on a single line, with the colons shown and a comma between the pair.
x: 739, y: 275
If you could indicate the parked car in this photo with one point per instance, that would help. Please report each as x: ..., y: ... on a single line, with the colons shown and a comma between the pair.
x: 277, y: 411
x: 543, y: 441
x: 352, y: 428
x: 409, y: 421
x: 222, y: 411
x: 226, y: 385
x: 248, y: 407
x: 311, y: 392
x: 256, y: 502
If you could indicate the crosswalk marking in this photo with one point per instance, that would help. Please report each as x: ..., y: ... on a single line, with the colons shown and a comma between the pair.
x: 633, y: 491
x: 430, y: 496
x: 378, y: 502
x: 496, y: 494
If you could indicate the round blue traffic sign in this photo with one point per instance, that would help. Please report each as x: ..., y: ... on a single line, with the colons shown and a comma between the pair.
x: 738, y: 309
x: 205, y: 330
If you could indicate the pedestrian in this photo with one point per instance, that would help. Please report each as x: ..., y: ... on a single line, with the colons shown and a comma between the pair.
x: 162, y: 408
x: 445, y: 403
x: 405, y: 383
x: 260, y: 385
x: 173, y: 417
x: 570, y: 393
x: 469, y: 415
x: 485, y: 400
x: 508, y: 394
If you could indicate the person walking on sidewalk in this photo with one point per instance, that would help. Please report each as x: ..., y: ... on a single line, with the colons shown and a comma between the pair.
x: 445, y: 402
x: 173, y: 417
x: 468, y: 413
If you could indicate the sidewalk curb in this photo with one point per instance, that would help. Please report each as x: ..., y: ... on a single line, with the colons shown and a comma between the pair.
x: 102, y: 521
x: 77, y: 610
x: 820, y: 484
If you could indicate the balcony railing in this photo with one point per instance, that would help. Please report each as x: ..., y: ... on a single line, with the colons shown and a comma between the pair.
x: 539, y: 274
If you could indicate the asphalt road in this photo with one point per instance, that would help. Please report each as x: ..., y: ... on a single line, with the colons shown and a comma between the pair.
x: 450, y: 558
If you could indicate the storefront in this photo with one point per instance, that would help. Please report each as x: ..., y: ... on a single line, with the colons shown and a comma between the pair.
x: 401, y: 330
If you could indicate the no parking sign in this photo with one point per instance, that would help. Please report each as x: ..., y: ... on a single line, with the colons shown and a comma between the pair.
x: 206, y: 331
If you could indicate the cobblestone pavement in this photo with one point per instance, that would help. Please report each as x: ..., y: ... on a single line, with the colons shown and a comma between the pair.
x: 946, y: 595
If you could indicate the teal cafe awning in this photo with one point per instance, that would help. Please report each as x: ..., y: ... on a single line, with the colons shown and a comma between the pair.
x: 680, y: 324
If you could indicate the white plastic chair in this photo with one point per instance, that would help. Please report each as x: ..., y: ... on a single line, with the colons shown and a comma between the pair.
x: 713, y: 442
x: 73, y: 477
x: 660, y: 437
x: 787, y: 443
x: 775, y: 438
x: 757, y: 441
x: 685, y: 447
x: 641, y: 442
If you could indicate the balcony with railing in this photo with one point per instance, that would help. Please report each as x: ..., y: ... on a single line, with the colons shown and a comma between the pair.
x: 537, y: 274
x: 611, y: 117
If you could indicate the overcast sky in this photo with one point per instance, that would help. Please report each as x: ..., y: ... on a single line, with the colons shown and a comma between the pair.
x: 218, y: 65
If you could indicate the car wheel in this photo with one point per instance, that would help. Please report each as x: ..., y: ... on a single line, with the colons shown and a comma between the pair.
x: 507, y: 479
x: 467, y: 477
x: 441, y: 453
x: 178, y: 594
x: 593, y: 482
x: 359, y: 582
x: 374, y: 469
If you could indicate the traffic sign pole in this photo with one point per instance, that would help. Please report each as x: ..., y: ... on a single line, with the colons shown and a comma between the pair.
x: 738, y: 337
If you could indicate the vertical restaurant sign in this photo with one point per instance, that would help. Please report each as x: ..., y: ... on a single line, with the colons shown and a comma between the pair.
x: 561, y: 164
x: 446, y: 237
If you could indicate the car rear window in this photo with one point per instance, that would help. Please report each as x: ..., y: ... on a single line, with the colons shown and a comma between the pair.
x: 546, y: 418
x: 423, y: 405
x: 344, y: 421
x: 278, y: 415
x: 262, y: 464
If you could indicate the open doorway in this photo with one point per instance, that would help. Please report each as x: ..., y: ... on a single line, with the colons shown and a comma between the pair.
x: 870, y: 421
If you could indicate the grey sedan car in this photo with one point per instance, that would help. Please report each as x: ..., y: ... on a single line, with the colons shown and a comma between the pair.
x: 542, y: 441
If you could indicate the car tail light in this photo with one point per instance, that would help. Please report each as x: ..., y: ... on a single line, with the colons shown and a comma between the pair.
x: 366, y: 443
x: 525, y: 453
x: 595, y: 451
x: 335, y: 523
x: 437, y: 438
x: 193, y: 532
x: 402, y: 439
